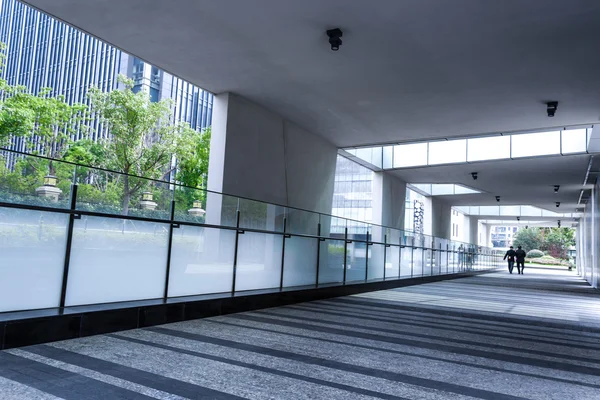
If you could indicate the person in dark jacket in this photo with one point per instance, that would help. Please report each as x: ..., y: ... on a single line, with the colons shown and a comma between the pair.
x: 510, y: 254
x: 520, y: 254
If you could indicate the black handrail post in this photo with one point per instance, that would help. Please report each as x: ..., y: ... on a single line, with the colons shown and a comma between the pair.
x: 172, y: 226
x: 345, y: 253
x: 384, y: 253
x: 235, y: 253
x: 319, y: 241
x: 72, y: 218
x: 283, y: 252
x: 367, y: 258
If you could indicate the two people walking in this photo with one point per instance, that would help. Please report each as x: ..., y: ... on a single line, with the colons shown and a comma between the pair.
x: 518, y: 256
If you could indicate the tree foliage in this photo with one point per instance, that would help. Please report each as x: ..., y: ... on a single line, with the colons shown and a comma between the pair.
x: 143, y: 137
x: 143, y: 141
x: 555, y: 241
x: 47, y: 122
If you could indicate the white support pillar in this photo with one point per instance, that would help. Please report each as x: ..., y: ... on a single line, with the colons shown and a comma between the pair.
x: 256, y: 153
x: 389, y: 200
x: 441, y: 215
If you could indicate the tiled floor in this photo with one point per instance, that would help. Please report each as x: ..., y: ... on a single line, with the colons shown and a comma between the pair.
x: 494, y: 336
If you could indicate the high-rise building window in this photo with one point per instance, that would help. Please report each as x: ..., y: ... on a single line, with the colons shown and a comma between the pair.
x: 353, y: 192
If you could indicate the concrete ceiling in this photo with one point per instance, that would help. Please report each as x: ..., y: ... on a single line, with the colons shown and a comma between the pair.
x: 517, y: 182
x: 408, y: 69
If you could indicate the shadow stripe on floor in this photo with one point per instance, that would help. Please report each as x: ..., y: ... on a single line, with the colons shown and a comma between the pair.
x: 393, y: 376
x: 273, y: 313
x: 497, y: 317
x: 409, y: 354
x: 60, y: 383
x: 482, y: 332
x: 144, y: 378
x: 255, y: 367
x: 431, y: 346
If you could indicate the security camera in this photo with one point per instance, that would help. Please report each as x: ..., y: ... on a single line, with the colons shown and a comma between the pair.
x: 556, y: 187
x: 551, y: 108
x: 474, y: 175
x: 335, y: 38
x: 518, y: 218
x: 558, y: 204
x: 498, y: 199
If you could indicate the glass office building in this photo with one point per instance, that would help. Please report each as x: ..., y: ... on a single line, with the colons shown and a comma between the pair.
x: 44, y: 52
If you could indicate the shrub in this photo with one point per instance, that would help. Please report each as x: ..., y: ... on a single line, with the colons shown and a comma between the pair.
x: 535, y: 254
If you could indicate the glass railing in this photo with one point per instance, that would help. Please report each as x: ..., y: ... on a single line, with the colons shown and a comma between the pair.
x: 68, y: 238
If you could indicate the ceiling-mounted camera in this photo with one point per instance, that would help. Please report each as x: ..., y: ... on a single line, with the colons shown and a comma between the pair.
x: 551, y: 108
x: 335, y: 38
x: 474, y: 175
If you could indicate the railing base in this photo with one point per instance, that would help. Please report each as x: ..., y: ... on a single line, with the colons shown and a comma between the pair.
x: 26, y: 328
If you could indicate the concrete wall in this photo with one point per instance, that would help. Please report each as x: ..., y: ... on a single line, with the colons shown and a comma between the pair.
x: 441, y: 218
x: 389, y: 200
x: 588, y: 240
x: 255, y: 153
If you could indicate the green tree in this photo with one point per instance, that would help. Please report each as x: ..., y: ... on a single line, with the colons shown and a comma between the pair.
x: 528, y: 238
x: 143, y: 137
x: 556, y: 241
x: 192, y: 156
x: 47, y: 122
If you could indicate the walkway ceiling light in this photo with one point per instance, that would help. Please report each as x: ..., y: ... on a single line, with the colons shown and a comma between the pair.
x: 551, y: 108
x: 556, y: 187
x: 335, y: 40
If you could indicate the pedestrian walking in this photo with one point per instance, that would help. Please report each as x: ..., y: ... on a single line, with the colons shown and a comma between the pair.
x: 520, y: 255
x: 510, y: 254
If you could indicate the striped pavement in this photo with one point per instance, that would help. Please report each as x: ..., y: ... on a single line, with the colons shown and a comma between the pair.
x: 492, y: 336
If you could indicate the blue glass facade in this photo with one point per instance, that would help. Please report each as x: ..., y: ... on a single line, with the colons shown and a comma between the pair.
x: 44, y: 52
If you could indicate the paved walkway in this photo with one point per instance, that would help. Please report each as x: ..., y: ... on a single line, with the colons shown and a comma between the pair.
x: 494, y: 336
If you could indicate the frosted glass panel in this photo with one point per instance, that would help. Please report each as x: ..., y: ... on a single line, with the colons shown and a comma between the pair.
x: 512, y: 211
x: 302, y: 222
x: 116, y: 260
x: 32, y: 253
x: 388, y: 155
x: 300, y: 262
x: 408, y: 155
x: 372, y: 155
x: 423, y: 187
x: 357, y: 262
x: 257, y: 215
x: 574, y: 141
x: 331, y: 267
x: 535, y: 144
x: 488, y: 148
x: 406, y: 258
x: 392, y: 262
x: 259, y: 261
x: 442, y: 189
x: 489, y: 210
x: 201, y: 261
x: 376, y: 254
x: 531, y: 211
x: 448, y: 151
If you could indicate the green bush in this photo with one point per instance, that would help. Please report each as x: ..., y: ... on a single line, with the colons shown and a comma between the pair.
x: 535, y: 254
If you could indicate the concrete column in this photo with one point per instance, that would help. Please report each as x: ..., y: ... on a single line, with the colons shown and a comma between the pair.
x: 473, y: 230
x: 256, y: 153
x: 389, y: 199
x: 441, y: 218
